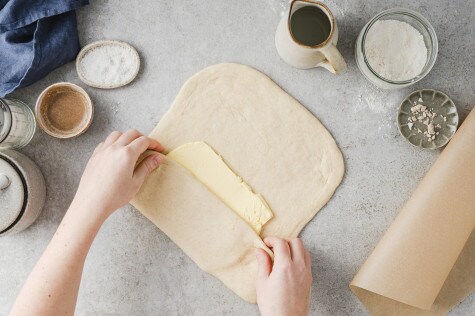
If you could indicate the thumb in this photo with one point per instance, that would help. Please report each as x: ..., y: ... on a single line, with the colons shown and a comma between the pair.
x: 264, y: 264
x: 147, y: 166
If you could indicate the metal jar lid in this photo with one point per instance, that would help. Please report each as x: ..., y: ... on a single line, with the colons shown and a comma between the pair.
x: 12, y: 194
x: 22, y: 192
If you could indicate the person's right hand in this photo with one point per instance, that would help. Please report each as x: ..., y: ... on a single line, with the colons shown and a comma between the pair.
x: 283, y: 289
x: 112, y: 176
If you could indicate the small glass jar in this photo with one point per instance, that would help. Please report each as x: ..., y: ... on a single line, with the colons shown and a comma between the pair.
x: 17, y: 124
x: 415, y: 20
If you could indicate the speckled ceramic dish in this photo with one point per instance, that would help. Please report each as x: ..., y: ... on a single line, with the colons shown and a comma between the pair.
x: 128, y: 57
x: 445, y: 121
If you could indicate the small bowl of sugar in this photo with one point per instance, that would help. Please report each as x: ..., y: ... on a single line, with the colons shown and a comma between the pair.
x: 396, y: 48
x: 107, y: 64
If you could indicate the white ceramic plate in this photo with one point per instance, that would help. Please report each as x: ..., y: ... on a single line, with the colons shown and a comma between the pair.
x: 127, y: 51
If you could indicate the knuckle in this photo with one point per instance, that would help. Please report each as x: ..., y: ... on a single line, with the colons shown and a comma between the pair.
x: 128, y: 151
x: 149, y: 166
x: 143, y: 139
x: 279, y: 241
x: 114, y: 134
x: 302, y: 269
x: 297, y: 241
x: 285, y: 264
x: 123, y: 153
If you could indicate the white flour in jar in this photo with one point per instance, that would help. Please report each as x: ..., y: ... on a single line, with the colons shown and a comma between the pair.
x: 395, y: 50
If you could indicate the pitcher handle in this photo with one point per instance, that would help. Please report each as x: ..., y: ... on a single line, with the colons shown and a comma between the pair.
x: 334, y: 60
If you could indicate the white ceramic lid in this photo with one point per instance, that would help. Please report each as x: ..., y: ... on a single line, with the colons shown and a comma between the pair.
x: 12, y: 194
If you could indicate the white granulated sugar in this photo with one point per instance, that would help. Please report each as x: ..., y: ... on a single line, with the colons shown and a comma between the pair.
x: 395, y: 50
x: 109, y: 65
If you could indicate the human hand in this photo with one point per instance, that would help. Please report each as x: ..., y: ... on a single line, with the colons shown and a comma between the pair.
x: 111, y: 178
x: 283, y: 289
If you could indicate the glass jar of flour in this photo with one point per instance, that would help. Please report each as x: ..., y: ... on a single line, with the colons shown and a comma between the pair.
x: 396, y: 48
x: 17, y: 124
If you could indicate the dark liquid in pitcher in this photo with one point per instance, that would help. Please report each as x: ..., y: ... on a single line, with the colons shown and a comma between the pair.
x: 310, y: 26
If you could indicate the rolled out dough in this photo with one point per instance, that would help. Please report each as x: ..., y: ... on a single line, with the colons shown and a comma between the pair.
x: 212, y: 235
x: 210, y: 169
x: 266, y: 137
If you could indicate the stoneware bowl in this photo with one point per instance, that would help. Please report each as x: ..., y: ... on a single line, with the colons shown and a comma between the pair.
x: 22, y: 192
x: 129, y: 52
x: 446, y: 118
x: 47, y: 127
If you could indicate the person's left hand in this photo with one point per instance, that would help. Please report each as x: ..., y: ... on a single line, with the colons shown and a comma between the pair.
x: 111, y: 179
x: 283, y: 286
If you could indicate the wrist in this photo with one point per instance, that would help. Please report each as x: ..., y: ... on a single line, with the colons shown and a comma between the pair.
x: 89, y: 210
x: 79, y: 227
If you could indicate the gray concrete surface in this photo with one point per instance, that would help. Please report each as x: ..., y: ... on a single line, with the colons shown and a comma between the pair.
x: 133, y: 268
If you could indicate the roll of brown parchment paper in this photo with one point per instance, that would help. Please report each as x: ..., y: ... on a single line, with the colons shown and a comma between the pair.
x: 425, y: 263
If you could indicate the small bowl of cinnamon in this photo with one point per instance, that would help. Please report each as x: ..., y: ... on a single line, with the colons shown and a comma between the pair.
x: 64, y: 110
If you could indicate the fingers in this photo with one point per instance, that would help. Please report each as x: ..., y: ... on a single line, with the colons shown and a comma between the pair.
x: 290, y: 249
x: 264, y: 264
x: 128, y: 137
x: 133, y: 138
x: 297, y: 250
x: 280, y: 247
x: 112, y: 138
x: 98, y: 148
x: 141, y: 144
x: 147, y: 166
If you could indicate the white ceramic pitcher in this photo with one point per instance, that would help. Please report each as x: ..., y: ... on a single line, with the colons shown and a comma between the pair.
x: 302, y: 56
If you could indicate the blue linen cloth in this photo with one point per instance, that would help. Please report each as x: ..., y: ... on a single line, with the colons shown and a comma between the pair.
x: 36, y: 36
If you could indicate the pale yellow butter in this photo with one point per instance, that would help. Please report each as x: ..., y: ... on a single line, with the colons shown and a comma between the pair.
x: 210, y: 169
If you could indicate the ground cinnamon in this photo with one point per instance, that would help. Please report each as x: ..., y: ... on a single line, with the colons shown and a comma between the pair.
x: 64, y: 109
